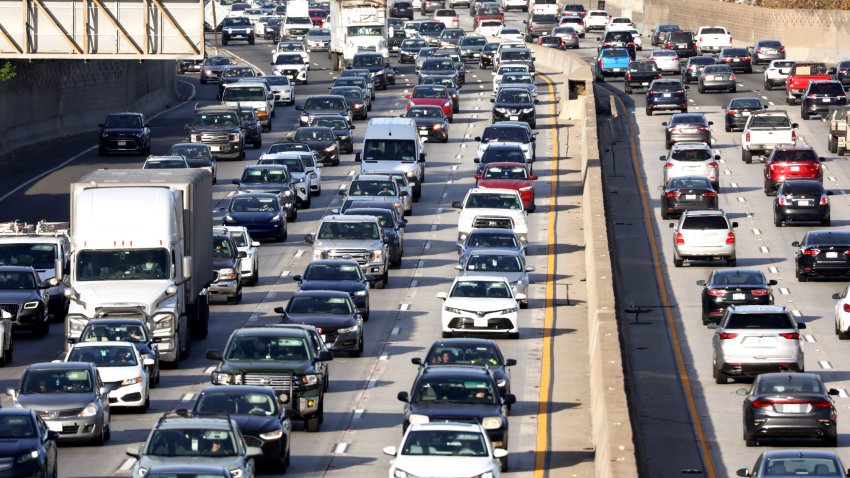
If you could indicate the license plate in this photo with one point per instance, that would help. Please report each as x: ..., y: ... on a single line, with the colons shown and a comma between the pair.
x: 718, y: 78
x: 745, y: 113
x: 514, y: 118
x: 804, y: 203
x: 394, y: 48
x: 476, y: 55
x: 480, y: 322
x: 739, y: 296
x: 795, y: 168
x: 682, y: 45
x: 736, y: 60
x: 791, y: 408
x: 122, y: 143
x: 215, y: 148
x: 423, y: 133
x: 54, y: 426
x: 826, y: 100
x: 832, y: 255
x: 668, y: 95
x: 645, y: 83
x: 690, y: 197
x: 616, y: 69
x: 689, y: 131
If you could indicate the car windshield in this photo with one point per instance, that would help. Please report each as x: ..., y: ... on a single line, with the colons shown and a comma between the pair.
x: 504, y: 134
x: 192, y: 442
x: 473, y: 41
x: 452, y: 34
x: 361, y: 61
x: 373, y: 188
x: 313, y: 134
x: 420, y: 112
x: 217, y: 119
x: 293, y: 164
x: 238, y: 22
x: 762, y: 320
x: 513, y: 96
x: 325, y: 104
x: 365, y: 30
x: 16, y: 426
x: 455, y: 390
x: 238, y: 72
x: 414, y: 43
x: 123, y: 121
x: 619, y: 36
x: 348, y: 93
x: 319, y: 32
x: 239, y: 238
x: 738, y: 52
x: 222, y: 248
x: 481, y: 289
x: 783, y: 64
x: 427, y: 91
x: 520, y: 78
x: 438, y: 64
x: 349, y: 231
x: 444, y: 443
x: 385, y: 217
x: 57, y: 381
x: 130, y: 264
x: 503, y: 155
x: 802, y: 466
x: 265, y: 176
x: 218, y: 60
x: 493, y: 201
x: 505, y: 172
x: 165, y: 164
x: 120, y: 333
x: 737, y: 278
x: 320, y: 305
x: 795, y: 155
x: 191, y: 151
x: 464, y: 354
x: 332, y: 272
x: 389, y: 149
x: 691, y: 154
x: 516, y: 55
x: 663, y: 54
x: 290, y: 46
x: 334, y: 123
x: 563, y: 30
x: 432, y: 27
x: 288, y: 59
x: 254, y: 204
x: 493, y: 263
x: 105, y: 356
x: 266, y: 347
x: 237, y: 403
x: 38, y: 256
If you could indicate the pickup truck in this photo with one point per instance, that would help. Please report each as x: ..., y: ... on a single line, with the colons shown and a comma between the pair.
x: 838, y: 119
x: 801, y: 74
x: 712, y: 39
x: 611, y: 62
x: 764, y: 131
x: 640, y: 75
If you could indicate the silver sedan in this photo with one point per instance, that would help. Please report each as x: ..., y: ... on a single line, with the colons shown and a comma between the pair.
x: 568, y: 34
x: 507, y: 263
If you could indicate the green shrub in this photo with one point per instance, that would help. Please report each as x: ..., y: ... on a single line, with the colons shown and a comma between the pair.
x: 7, y: 71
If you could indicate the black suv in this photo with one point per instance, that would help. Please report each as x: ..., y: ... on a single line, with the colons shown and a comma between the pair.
x: 487, y: 54
x: 341, y: 275
x: 538, y: 25
x: 227, y: 261
x: 459, y: 393
x: 283, y: 358
x: 237, y: 28
x: 24, y: 296
x: 219, y: 127
x: 820, y: 96
x: 402, y: 9
x: 801, y: 200
x: 515, y: 104
x: 823, y: 253
x: 683, y: 43
x: 727, y: 287
x: 124, y: 133
x: 618, y: 39
x: 378, y: 68
x: 738, y: 112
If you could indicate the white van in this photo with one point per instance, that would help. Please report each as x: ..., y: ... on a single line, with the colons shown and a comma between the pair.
x: 544, y: 7
x: 393, y: 145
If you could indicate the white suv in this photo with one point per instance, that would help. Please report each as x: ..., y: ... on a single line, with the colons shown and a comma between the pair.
x: 692, y: 159
x: 703, y: 235
x: 754, y: 339
x: 499, y: 208
x: 481, y: 304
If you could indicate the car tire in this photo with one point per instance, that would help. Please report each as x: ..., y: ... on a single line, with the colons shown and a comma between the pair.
x: 840, y: 150
x: 751, y: 441
x: 827, y: 221
x: 102, y: 151
x: 100, y: 440
x: 777, y: 220
x: 720, y: 378
x: 43, y: 329
x: 236, y: 298
x: 447, y: 335
x: 701, y: 89
x: 293, y: 216
x: 727, y: 127
x: 259, y: 144
x: 359, y: 351
x: 832, y: 144
x: 803, y: 113
x: 312, y: 424
x: 685, y: 110
x: 789, y: 100
x: 678, y: 262
x: 747, y: 156
x: 282, y: 236
x: 830, y: 441
x: 732, y: 261
x: 800, y: 276
x: 309, y: 202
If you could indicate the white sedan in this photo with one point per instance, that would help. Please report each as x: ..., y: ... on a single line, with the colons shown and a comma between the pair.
x: 842, y: 314
x: 511, y: 34
x: 251, y: 262
x: 489, y: 28
x: 445, y: 449
x: 121, y: 368
x: 505, y: 68
x: 667, y: 61
x: 482, y: 304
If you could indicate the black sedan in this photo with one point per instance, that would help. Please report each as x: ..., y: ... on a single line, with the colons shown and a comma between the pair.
x: 440, y: 66
x: 124, y: 133
x: 738, y: 111
x: 321, y: 140
x: 341, y: 129
x: 501, y: 153
x: 22, y: 292
x: 334, y: 315
x: 687, y: 127
x: 356, y: 100
x: 823, y: 253
x: 251, y: 126
x: 790, y: 405
x: 801, y: 200
x: 842, y: 72
x: 515, y: 104
x: 339, y: 275
x: 726, y: 287
x: 786, y: 463
x: 261, y: 213
x: 430, y: 121
x: 198, y: 155
x: 27, y: 447
x: 410, y: 49
x: 487, y: 54
x: 262, y: 420
x: 737, y: 58
x: 687, y: 193
x: 470, y: 351
x: 692, y: 69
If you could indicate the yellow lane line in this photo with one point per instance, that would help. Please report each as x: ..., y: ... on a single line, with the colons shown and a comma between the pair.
x: 545, y: 385
x: 707, y: 457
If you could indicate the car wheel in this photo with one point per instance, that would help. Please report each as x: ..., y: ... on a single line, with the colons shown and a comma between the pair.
x: 701, y: 89
x: 648, y: 111
x: 312, y: 424
x: 747, y: 156
x: 840, y: 150
x: 803, y: 113
x: 678, y: 262
x: 731, y: 261
x: 628, y: 89
x: 359, y: 350
x: 236, y: 298
x: 830, y: 440
x: 826, y: 221
x: 308, y: 202
x: 800, y: 276
x: 832, y: 144
x: 100, y: 440
x: 102, y: 151
x: 447, y: 335
x: 728, y: 128
x: 43, y: 328
x: 751, y: 441
x: 720, y: 377
x: 777, y: 220
x: 503, y: 464
x: 293, y: 215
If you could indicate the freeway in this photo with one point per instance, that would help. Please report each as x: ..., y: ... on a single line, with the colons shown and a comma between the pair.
x: 668, y: 435
x: 361, y: 416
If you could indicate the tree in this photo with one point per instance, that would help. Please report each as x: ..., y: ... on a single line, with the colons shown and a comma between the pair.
x: 7, y: 71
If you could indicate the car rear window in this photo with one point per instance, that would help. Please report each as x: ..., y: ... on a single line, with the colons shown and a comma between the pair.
x: 770, y: 121
x: 796, y: 155
x: 705, y: 222
x: 713, y: 31
x: 736, y: 52
x: 770, y: 44
x: 702, y: 60
x: 615, y: 53
x: 802, y: 187
x: 766, y: 320
x: 666, y: 86
x: 828, y: 237
x: 750, y: 103
x: 827, y: 88
x: 681, y: 37
x: 812, y: 69
x: 690, y: 154
x: 544, y: 18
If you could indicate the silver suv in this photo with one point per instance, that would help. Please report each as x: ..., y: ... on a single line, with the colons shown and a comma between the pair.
x: 703, y: 235
x: 754, y: 339
x: 357, y: 238
x: 692, y: 159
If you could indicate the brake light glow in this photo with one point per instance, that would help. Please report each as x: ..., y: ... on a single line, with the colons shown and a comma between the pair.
x: 668, y: 165
x: 717, y: 292
x: 730, y: 238
x: 712, y: 164
x: 793, y: 136
x: 680, y: 239
x: 733, y: 112
x: 760, y: 292
x: 709, y: 195
x: 820, y: 403
x: 732, y: 77
x: 673, y: 194
x: 748, y: 136
x: 811, y: 252
x: 781, y: 200
x: 846, y: 307
x: 824, y: 200
x: 727, y: 335
x: 791, y: 335
x: 762, y: 403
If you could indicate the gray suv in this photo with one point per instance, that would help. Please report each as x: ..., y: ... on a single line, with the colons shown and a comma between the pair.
x: 357, y: 238
x: 754, y: 339
x: 704, y: 235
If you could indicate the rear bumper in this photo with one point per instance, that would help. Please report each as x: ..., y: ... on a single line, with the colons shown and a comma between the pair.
x: 803, y: 213
x: 750, y: 369
x: 802, y: 427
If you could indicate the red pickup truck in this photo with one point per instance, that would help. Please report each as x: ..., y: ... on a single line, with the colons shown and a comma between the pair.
x: 801, y: 74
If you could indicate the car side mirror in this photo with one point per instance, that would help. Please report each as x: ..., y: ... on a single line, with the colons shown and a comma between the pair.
x: 830, y: 193
x: 308, y: 238
x: 492, y: 100
x: 342, y: 192
x: 422, y: 157
x: 100, y: 125
x: 664, y: 123
x: 837, y: 296
x: 746, y: 472
x: 357, y: 158
x: 242, y: 254
x: 476, y: 161
x: 672, y: 225
x: 402, y: 194
x: 831, y: 71
x: 734, y: 223
x: 801, y: 326
x: 234, y: 181
x: 299, y: 108
x: 710, y: 123
x: 133, y: 450
x: 662, y: 158
x: 795, y: 125
x: 279, y: 310
x: 442, y: 295
x: 716, y: 156
x: 477, y: 138
x: 407, y: 97
x: 833, y: 391
x: 403, y: 397
x: 213, y: 355
x: 536, y: 101
x: 701, y: 282
x: 509, y: 399
x: 416, y: 361
x: 156, y: 340
x: 324, y: 356
x: 297, y: 278
x: 457, y: 205
x: 795, y: 244
x: 390, y: 450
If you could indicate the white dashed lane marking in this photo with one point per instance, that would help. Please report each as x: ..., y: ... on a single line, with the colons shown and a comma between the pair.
x: 764, y: 249
x: 783, y: 291
x: 825, y: 364
x: 810, y: 338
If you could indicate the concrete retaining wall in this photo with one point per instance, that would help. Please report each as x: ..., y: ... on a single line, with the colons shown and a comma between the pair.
x: 52, y: 99
x: 612, y: 430
x: 820, y: 35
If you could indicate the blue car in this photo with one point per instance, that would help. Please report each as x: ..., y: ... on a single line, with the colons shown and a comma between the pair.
x: 611, y: 62
x: 261, y: 213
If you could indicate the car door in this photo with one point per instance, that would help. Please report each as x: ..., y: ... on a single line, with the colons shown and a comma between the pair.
x: 318, y: 346
x: 103, y: 397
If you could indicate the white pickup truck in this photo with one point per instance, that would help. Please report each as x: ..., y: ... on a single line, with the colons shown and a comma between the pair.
x: 500, y: 208
x: 712, y: 39
x: 764, y: 131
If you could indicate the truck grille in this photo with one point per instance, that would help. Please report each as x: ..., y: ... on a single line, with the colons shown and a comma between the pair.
x: 214, y: 137
x: 359, y: 255
x: 298, y: 31
x: 12, y: 309
x: 367, y: 48
x: 490, y: 221
x: 277, y: 381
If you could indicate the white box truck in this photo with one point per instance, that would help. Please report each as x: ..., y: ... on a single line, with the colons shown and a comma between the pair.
x: 142, y: 248
x: 357, y: 25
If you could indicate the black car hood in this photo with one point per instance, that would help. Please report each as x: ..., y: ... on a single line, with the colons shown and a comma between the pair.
x: 253, y: 425
x: 278, y: 366
x: 123, y: 130
x: 326, y: 321
x: 223, y: 262
x: 229, y: 129
x: 340, y: 285
x: 426, y: 121
x: 451, y: 72
x: 472, y: 48
x: 372, y: 69
x: 325, y: 112
x: 500, y: 104
x: 12, y: 447
x: 456, y: 410
x: 318, y: 145
x: 411, y: 49
x: 18, y: 296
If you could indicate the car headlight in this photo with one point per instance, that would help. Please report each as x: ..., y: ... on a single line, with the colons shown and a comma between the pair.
x: 228, y: 273
x: 447, y: 104
x: 377, y: 255
x: 236, y: 473
x: 25, y: 457
x: 415, y: 419
x: 131, y: 381
x: 261, y: 109
x: 402, y: 474
x: 314, y: 176
x: 410, y: 174
x: 330, y: 148
x: 379, y: 73
x: 501, y: 382
x: 89, y: 411
x: 501, y: 110
x: 195, y: 138
x: 229, y: 218
x: 222, y: 378
x: 143, y: 471
x: 486, y: 474
x: 163, y: 324
x: 305, y: 118
x: 452, y: 310
x: 276, y: 218
x: 348, y: 330
x: 344, y: 137
x: 31, y: 305
x: 508, y: 311
x: 437, y: 126
x: 491, y: 423
x: 287, y: 193
x: 309, y: 379
x: 272, y: 435
x: 528, y: 110
x: 360, y: 293
x: 358, y: 105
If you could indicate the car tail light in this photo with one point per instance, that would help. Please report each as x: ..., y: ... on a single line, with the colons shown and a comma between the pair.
x: 680, y: 92
x: 760, y: 292
x: 709, y: 195
x: 824, y: 200
x: 781, y: 200
x: 732, y: 78
x: 791, y: 335
x: 759, y: 51
x: 673, y: 194
x: 702, y: 128
x: 712, y: 164
x: 782, y: 50
x: 811, y: 95
x: 730, y: 238
x: 727, y: 335
x: 820, y: 403
x: 531, y: 27
x: 793, y: 136
x: 846, y: 307
x: 811, y: 252
x: 659, y: 76
x: 680, y: 239
x: 690, y: 68
x: 668, y: 165
x: 716, y: 292
x: 762, y: 403
x: 699, y: 39
x: 629, y: 77
x: 746, y: 58
x: 733, y: 112
x: 748, y: 136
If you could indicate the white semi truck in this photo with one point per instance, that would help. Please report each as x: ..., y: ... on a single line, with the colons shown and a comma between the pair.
x: 357, y: 25
x: 142, y: 248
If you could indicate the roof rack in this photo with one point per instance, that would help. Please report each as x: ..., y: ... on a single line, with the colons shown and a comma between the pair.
x: 41, y: 228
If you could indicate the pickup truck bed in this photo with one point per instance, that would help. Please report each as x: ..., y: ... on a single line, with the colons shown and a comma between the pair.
x: 640, y: 75
x: 764, y: 131
x: 800, y: 76
x: 611, y: 62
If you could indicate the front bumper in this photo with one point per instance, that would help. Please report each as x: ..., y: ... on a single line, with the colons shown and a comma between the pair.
x: 468, y: 322
x: 283, y: 96
x: 346, y: 342
x: 226, y: 150
x: 77, y: 428
x: 509, y: 116
x: 130, y: 396
x: 122, y: 145
x: 29, y: 319
x: 227, y: 288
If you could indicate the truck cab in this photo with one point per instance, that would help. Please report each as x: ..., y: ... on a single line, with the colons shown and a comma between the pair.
x: 359, y: 238
x: 255, y: 95
x: 219, y: 127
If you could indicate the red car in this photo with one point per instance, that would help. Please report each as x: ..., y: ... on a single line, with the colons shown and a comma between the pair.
x: 791, y: 162
x: 514, y: 176
x: 437, y: 95
x: 318, y: 16
x: 488, y: 13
